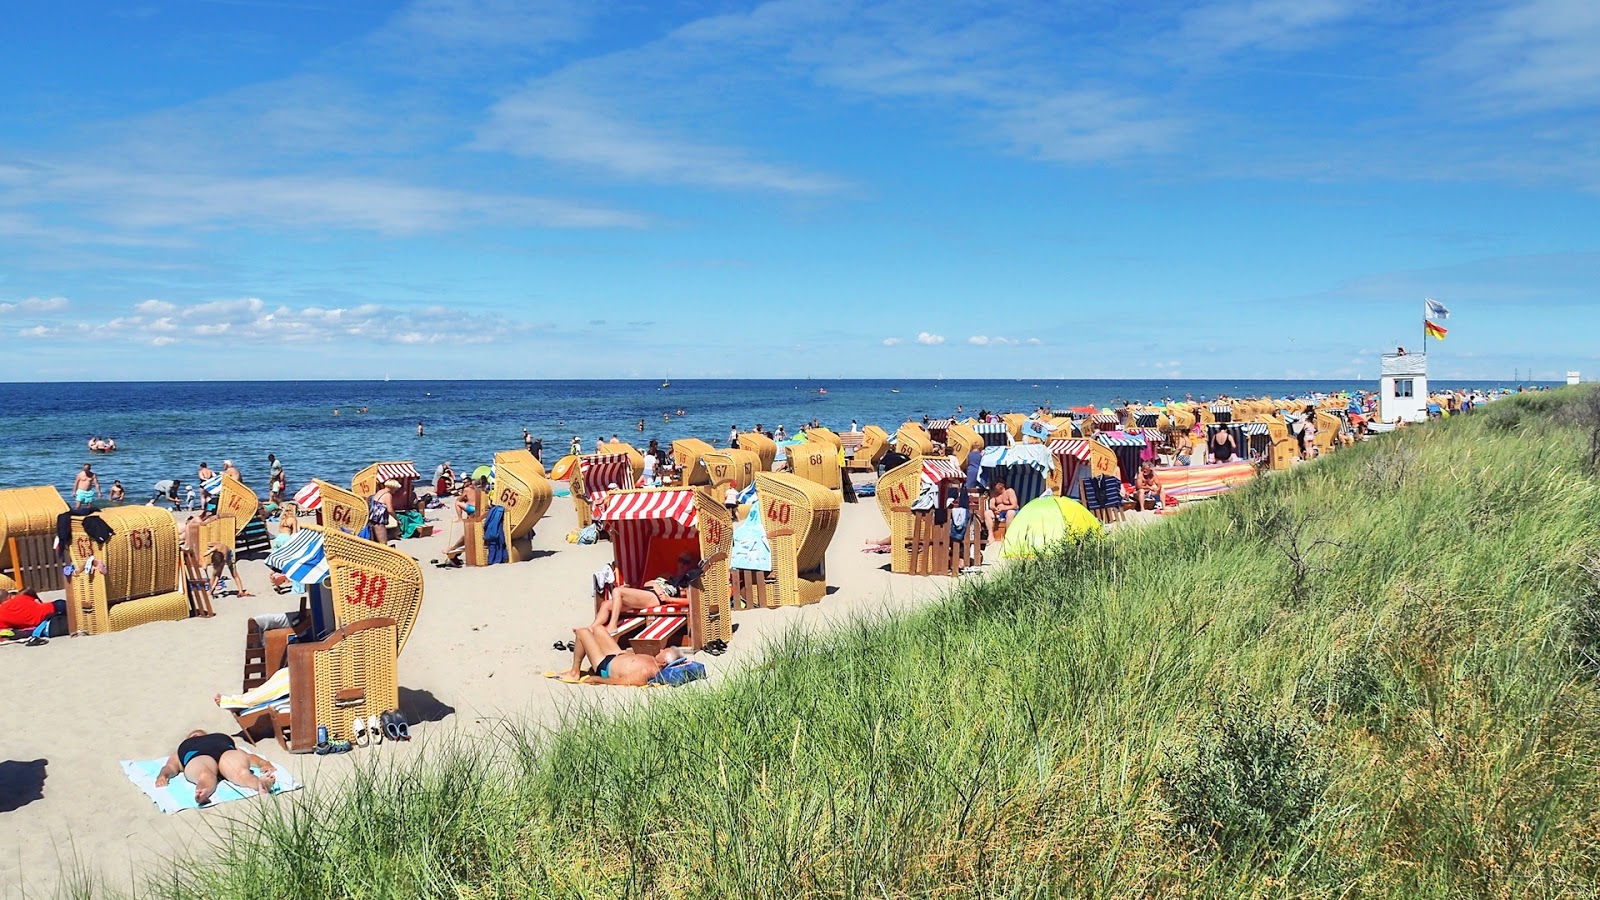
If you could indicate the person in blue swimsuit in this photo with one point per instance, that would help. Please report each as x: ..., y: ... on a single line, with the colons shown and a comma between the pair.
x: 204, y: 759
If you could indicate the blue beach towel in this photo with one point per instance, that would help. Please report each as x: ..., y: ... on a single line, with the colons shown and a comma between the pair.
x: 494, y: 535
x: 178, y: 795
x: 750, y: 548
x: 678, y: 672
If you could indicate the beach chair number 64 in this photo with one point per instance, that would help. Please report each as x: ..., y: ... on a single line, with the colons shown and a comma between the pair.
x: 369, y: 589
x: 342, y: 515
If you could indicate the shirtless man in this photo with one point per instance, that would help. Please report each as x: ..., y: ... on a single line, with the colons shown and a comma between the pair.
x: 206, y: 758
x: 118, y: 494
x: 205, y: 474
x: 232, y: 471
x: 608, y: 661
x: 86, y: 487
x: 1002, y: 504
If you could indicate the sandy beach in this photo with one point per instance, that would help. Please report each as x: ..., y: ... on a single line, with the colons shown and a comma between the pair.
x: 474, y: 660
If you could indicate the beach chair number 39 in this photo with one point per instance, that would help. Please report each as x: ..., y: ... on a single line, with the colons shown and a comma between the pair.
x: 369, y: 589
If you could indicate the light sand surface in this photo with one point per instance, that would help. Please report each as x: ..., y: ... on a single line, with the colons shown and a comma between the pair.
x: 474, y: 661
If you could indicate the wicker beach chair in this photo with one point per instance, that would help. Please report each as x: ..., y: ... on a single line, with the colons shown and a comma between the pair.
x: 236, y: 503
x: 1328, y: 425
x: 141, y: 581
x: 27, y: 537
x: 913, y: 440
x: 918, y: 543
x: 762, y: 446
x: 874, y: 444
x: 338, y: 509
x: 800, y: 518
x: 592, y: 478
x: 817, y: 462
x: 686, y: 455
x: 821, y: 435
x: 1014, y: 423
x: 365, y: 483
x: 961, y: 439
x: 731, y: 467
x: 521, y: 489
x: 649, y: 529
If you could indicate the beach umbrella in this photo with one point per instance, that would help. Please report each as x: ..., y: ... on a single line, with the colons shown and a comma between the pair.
x: 483, y: 472
x: 1046, y: 522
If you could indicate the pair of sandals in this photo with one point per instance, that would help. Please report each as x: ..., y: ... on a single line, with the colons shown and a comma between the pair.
x: 328, y: 748
x: 449, y: 562
x: 716, y: 647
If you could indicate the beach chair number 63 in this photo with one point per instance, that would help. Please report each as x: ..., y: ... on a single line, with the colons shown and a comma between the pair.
x: 369, y: 589
x: 142, y: 538
x: 780, y: 512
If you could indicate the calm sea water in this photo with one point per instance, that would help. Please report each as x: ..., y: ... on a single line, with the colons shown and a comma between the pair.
x: 166, y: 429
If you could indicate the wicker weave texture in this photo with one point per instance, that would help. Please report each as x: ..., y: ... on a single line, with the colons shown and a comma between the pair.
x: 524, y: 459
x: 237, y: 501
x: 341, y: 510
x: 365, y: 482
x: 372, y: 580
x: 714, y: 617
x: 353, y: 673
x: 141, y: 567
x: 686, y: 455
x: 800, y: 518
x: 764, y: 448
x: 525, y: 494
x: 874, y: 444
x: 897, y: 488
x: 824, y: 436
x: 960, y: 440
x: 816, y: 462
x: 913, y: 440
x: 29, y: 510
x: 736, y: 467
x: 1014, y: 423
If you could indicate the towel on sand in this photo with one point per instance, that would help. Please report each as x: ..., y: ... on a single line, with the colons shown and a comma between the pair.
x: 179, y: 792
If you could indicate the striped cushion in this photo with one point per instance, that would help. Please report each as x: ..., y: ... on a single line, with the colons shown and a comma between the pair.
x: 662, y: 628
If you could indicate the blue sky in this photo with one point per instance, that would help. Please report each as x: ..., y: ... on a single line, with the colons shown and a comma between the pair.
x: 495, y: 188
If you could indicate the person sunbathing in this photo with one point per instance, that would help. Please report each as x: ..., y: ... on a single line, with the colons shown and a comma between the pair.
x: 608, y: 662
x: 205, y: 759
x: 1002, y: 504
x: 1147, y: 490
x: 661, y: 591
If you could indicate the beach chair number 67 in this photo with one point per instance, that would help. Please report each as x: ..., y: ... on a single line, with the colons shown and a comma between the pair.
x: 369, y: 589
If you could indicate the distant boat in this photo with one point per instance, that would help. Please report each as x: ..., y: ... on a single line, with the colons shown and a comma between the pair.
x: 666, y: 382
x: 894, y: 390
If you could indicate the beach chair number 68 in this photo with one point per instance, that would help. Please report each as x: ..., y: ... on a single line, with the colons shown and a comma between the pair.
x: 369, y: 589
x: 816, y: 459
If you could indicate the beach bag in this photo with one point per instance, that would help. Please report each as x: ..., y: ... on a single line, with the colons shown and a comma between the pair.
x: 680, y: 672
x: 589, y: 534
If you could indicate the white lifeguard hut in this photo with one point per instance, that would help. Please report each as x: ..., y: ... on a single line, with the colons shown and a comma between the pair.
x: 1403, y: 388
x: 1572, y: 378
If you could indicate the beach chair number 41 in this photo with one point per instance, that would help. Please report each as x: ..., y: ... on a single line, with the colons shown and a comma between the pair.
x: 369, y: 589
x: 899, y: 494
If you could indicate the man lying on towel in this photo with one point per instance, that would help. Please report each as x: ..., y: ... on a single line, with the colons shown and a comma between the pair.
x: 203, y: 758
x: 662, y: 591
x: 609, y: 663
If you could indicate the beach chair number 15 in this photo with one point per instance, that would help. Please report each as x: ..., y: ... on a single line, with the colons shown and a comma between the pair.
x: 369, y: 589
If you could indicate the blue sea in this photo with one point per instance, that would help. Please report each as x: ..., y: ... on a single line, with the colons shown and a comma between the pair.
x: 166, y: 429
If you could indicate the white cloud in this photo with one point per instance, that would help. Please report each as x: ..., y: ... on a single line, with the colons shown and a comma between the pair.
x: 37, y: 331
x: 1531, y: 55
x: 34, y: 306
x: 154, y: 308
x: 978, y: 339
x: 1033, y: 342
x: 985, y: 341
x: 931, y: 340
x: 890, y: 342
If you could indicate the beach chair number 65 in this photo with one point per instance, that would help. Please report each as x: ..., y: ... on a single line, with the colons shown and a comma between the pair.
x: 780, y: 512
x: 508, y: 497
x: 369, y: 589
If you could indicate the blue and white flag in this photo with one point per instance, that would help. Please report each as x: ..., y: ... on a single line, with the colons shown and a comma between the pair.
x: 1435, y: 310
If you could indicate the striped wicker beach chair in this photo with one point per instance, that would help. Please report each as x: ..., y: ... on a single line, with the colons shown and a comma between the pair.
x: 918, y: 543
x: 141, y: 580
x: 800, y: 518
x: 649, y: 530
x: 365, y: 483
x: 27, y: 537
x: 1078, y: 458
x: 593, y: 477
x: 336, y: 508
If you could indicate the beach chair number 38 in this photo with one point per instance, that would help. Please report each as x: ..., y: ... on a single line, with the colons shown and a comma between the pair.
x: 369, y: 589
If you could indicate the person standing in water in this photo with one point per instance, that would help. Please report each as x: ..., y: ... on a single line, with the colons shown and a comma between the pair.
x: 419, y: 428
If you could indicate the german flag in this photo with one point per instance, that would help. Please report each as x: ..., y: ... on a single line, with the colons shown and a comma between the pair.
x: 1433, y: 330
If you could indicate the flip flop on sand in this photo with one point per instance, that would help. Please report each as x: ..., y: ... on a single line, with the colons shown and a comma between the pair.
x: 564, y: 678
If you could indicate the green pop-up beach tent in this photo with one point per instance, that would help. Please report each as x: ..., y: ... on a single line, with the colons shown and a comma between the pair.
x: 1045, y: 522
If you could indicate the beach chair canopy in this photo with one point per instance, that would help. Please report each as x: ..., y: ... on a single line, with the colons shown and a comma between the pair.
x: 994, y: 434
x: 303, y: 559
x: 649, y: 529
x: 1025, y: 469
x: 1130, y: 448
x: 602, y: 473
x: 1038, y: 429
x: 308, y: 498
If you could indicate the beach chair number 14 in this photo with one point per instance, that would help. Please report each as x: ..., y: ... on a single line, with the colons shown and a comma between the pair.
x: 369, y: 589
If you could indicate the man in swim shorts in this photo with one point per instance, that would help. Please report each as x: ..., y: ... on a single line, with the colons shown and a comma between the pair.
x: 203, y: 758
x: 86, y: 487
x: 1001, y: 506
x: 611, y: 664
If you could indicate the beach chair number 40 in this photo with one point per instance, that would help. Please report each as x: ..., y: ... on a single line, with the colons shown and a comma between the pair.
x: 369, y: 589
x: 780, y: 512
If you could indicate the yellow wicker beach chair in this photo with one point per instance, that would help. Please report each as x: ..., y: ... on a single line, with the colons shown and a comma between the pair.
x: 874, y: 444
x: 1327, y: 437
x: 372, y: 580
x: 141, y: 581
x: 686, y: 454
x: 913, y: 440
x: 1285, y: 449
x: 800, y: 518
x: 27, y: 537
x: 824, y: 436
x: 365, y: 483
x: 522, y: 490
x: 735, y: 467
x: 1014, y: 423
x: 918, y: 545
x: 236, y: 502
x: 961, y: 439
x: 341, y: 510
x: 635, y: 458
x: 816, y: 462
x: 763, y: 447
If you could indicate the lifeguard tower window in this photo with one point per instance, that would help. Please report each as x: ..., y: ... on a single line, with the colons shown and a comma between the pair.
x: 1402, y: 387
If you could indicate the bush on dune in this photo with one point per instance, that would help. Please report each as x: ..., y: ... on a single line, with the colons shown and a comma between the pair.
x: 1369, y: 676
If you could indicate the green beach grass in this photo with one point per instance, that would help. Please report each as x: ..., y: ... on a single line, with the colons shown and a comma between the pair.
x: 1371, y: 676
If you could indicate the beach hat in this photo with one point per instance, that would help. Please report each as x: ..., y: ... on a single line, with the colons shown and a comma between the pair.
x: 391, y: 483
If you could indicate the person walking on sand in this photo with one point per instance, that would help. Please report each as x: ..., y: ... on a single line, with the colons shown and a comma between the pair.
x: 86, y: 487
x: 203, y: 475
x: 205, y: 759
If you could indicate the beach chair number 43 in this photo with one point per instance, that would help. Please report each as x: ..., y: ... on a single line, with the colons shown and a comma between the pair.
x: 369, y: 589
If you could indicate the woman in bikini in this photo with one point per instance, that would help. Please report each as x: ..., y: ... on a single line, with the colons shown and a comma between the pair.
x: 660, y: 591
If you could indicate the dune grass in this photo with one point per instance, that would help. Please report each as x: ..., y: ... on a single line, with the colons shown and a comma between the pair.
x: 1363, y: 677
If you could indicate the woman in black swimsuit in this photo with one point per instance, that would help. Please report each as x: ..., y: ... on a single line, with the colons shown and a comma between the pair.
x: 1223, y: 448
x: 204, y: 758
